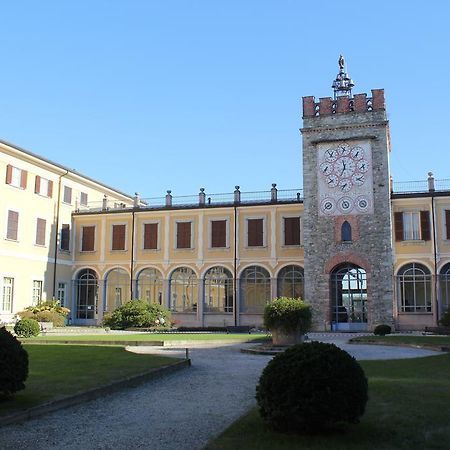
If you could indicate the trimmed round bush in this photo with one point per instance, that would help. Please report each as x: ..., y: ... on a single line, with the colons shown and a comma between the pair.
x: 26, y: 328
x: 291, y: 315
x: 13, y: 364
x: 382, y: 330
x: 311, y: 387
x: 138, y: 314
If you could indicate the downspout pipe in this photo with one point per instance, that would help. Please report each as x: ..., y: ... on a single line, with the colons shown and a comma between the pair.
x: 136, y: 203
x: 56, y: 232
x: 235, y: 312
x: 431, y: 190
x: 133, y: 218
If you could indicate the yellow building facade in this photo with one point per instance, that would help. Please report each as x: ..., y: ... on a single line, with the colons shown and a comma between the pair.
x: 188, y: 258
x: 226, y: 278
x: 37, y: 199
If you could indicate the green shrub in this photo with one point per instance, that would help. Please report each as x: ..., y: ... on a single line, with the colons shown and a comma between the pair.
x: 311, y: 387
x: 138, y: 313
x: 26, y: 328
x: 445, y: 321
x: 13, y: 364
x: 50, y: 316
x: 288, y: 314
x: 382, y: 330
x: 49, y: 311
x: 49, y: 305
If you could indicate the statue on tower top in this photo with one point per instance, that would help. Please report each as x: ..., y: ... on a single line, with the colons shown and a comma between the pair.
x: 342, y: 85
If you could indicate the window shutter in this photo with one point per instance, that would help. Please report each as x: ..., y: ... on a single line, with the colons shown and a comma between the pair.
x: 83, y: 198
x: 8, y: 173
x: 23, y: 179
x: 67, y: 195
x: 218, y: 233
x: 37, y: 185
x: 118, y: 238
x: 50, y: 189
x: 255, y: 232
x: 425, y: 225
x: 88, y: 239
x: 447, y: 223
x: 184, y: 235
x: 65, y: 237
x: 292, y: 231
x: 40, y: 231
x: 150, y: 236
x: 13, y: 225
x: 398, y: 226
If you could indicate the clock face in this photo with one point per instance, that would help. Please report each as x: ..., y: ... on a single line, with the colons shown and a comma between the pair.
x: 344, y: 176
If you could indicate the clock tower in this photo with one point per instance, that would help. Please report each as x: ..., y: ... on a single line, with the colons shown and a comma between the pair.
x: 347, y: 219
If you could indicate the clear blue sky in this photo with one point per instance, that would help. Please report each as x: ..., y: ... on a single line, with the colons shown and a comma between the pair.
x: 155, y: 95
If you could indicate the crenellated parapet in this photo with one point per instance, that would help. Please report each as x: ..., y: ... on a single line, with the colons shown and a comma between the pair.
x: 344, y: 104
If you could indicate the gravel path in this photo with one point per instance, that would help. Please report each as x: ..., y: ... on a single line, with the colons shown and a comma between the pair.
x: 180, y: 412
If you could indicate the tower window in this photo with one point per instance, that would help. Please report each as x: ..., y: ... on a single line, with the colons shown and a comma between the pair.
x: 346, y: 232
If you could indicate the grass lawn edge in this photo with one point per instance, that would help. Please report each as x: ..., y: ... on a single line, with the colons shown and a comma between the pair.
x: 93, y: 393
x: 425, y: 346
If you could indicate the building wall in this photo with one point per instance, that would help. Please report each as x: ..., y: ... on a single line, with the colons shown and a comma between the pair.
x: 272, y: 255
x: 432, y: 252
x: 22, y: 259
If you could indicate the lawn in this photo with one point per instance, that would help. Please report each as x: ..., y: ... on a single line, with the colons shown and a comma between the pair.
x: 56, y: 371
x: 238, y: 337
x: 408, y: 408
x: 425, y: 341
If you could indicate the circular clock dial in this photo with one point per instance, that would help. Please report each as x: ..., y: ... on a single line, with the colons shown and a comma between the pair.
x: 330, y: 155
x: 328, y: 206
x: 332, y: 181
x: 362, y: 203
x: 343, y: 150
x: 345, y: 185
x: 357, y: 153
x: 326, y: 168
x: 362, y: 166
x: 344, y: 166
x: 358, y: 179
x: 345, y: 204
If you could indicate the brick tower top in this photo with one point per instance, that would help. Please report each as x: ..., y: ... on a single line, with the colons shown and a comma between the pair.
x: 358, y: 103
x: 343, y: 101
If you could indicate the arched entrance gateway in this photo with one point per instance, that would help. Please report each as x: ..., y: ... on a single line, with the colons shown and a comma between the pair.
x: 349, y: 298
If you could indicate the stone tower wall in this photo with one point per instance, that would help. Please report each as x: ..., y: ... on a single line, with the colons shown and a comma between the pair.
x: 347, y: 119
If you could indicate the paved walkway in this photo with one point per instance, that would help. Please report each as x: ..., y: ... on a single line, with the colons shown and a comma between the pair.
x: 180, y: 412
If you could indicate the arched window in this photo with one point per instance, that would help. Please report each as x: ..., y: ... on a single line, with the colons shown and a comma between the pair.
x: 117, y: 288
x: 444, y: 287
x: 86, y: 291
x: 349, y: 296
x: 346, y: 232
x: 218, y: 290
x: 254, y: 289
x: 290, y: 282
x: 414, y: 288
x: 183, y: 288
x: 150, y: 286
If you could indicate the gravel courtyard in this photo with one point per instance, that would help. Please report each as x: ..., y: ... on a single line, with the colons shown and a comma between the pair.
x: 180, y: 412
